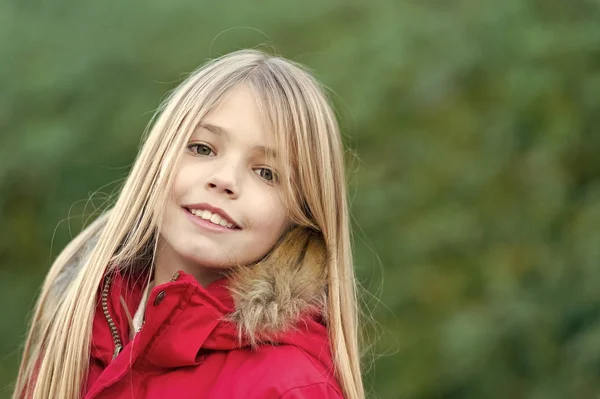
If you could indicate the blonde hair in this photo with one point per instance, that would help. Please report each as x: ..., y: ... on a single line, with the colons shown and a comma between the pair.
x: 56, y: 355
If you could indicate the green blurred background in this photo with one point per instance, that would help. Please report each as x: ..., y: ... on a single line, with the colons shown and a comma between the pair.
x: 475, y: 186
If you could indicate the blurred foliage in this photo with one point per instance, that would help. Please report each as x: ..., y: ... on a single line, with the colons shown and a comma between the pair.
x: 475, y: 191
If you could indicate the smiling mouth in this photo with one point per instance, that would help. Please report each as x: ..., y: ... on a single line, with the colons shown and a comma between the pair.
x: 213, y: 218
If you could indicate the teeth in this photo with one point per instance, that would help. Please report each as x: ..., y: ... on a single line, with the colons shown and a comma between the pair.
x: 212, y: 217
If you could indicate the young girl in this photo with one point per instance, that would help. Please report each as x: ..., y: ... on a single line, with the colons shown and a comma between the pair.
x: 224, y: 269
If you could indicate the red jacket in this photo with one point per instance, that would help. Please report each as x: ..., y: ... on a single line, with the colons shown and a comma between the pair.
x: 186, y: 349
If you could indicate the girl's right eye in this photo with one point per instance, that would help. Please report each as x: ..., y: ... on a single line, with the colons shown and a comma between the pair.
x: 200, y: 149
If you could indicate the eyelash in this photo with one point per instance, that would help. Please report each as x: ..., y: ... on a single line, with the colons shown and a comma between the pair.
x: 198, y: 145
x: 275, y: 176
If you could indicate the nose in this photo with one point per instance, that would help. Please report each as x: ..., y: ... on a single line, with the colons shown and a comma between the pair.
x: 224, y: 180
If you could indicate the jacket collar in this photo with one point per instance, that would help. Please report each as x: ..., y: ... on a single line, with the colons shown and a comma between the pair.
x: 184, y: 321
x: 281, y: 299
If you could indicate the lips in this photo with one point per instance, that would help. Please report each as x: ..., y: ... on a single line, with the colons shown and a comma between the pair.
x: 212, y: 217
x: 212, y: 214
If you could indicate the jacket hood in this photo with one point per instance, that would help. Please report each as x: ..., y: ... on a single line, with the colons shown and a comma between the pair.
x: 280, y: 301
x: 191, y: 321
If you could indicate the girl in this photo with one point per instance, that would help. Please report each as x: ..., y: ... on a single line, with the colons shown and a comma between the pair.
x: 224, y: 269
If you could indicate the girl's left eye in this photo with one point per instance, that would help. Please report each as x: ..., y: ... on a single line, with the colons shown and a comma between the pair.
x: 200, y: 149
x: 266, y: 174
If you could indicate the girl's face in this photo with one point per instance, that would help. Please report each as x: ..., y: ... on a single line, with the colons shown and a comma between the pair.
x: 225, y: 208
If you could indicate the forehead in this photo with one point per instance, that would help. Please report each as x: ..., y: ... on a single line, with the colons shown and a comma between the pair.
x: 238, y: 116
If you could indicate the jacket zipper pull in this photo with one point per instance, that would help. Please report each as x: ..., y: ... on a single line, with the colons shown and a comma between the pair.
x: 118, y: 348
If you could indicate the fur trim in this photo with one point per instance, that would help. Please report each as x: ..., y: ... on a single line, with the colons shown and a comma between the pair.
x: 271, y: 296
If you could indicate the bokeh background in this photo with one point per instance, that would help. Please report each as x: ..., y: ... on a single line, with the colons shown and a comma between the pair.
x: 472, y: 133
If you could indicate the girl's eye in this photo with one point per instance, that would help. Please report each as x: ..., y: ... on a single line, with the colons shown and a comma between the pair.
x: 266, y: 174
x: 200, y: 149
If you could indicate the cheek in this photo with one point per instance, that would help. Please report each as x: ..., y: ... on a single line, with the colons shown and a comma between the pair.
x: 182, y: 184
x: 183, y: 181
x: 272, y: 217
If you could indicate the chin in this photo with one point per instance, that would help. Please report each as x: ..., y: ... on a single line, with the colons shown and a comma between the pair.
x: 210, y: 261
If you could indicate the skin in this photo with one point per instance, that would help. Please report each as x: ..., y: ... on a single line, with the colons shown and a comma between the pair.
x: 229, y: 164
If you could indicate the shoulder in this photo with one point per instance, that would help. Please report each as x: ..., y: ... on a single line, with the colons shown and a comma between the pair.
x: 287, y: 371
x: 74, y: 256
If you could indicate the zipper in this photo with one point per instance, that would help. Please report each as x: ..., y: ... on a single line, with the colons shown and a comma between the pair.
x: 111, y: 324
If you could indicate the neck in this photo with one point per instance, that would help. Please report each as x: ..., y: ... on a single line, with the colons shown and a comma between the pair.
x: 167, y: 262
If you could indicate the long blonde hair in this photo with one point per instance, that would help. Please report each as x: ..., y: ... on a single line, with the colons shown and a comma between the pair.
x: 56, y: 355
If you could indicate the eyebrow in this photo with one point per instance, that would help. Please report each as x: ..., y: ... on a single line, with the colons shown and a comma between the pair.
x: 221, y: 131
